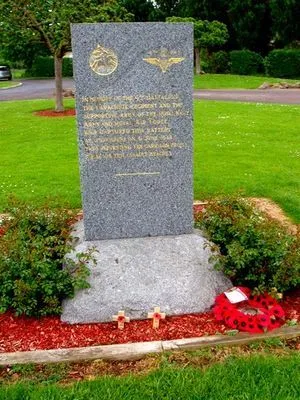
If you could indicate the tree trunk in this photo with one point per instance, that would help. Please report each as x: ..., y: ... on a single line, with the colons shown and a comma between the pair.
x: 197, y: 60
x: 58, y: 84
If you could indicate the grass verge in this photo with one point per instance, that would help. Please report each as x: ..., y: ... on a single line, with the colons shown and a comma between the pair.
x: 267, y: 370
x: 18, y: 73
x: 253, y: 148
x: 39, y: 158
x: 8, y: 84
x: 227, y: 81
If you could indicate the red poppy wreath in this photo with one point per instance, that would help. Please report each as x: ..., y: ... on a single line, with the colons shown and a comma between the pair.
x: 260, y: 313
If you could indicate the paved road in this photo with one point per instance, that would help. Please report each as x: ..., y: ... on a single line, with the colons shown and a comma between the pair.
x: 282, y: 96
x: 44, y: 89
x: 34, y: 89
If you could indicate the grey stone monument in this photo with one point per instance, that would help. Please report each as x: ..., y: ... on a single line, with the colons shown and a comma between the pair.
x: 134, y: 116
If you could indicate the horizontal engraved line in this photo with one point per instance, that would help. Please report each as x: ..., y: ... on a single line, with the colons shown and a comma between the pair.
x: 138, y: 173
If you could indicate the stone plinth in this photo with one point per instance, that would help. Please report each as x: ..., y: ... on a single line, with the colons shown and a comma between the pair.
x: 137, y: 274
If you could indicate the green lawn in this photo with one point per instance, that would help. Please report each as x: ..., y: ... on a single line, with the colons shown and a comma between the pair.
x: 8, y: 84
x: 18, y: 73
x: 238, y: 146
x: 249, y: 147
x: 256, y: 377
x: 227, y: 81
x: 39, y: 154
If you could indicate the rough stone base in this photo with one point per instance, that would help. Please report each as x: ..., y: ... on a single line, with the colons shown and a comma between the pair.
x: 136, y: 275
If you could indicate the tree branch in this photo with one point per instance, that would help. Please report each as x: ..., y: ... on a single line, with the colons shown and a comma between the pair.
x: 36, y: 25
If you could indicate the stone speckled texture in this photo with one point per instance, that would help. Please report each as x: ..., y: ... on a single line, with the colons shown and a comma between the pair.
x: 137, y: 274
x: 158, y: 199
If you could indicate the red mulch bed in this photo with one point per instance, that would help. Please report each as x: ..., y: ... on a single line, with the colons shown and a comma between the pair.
x: 23, y: 334
x: 53, y: 113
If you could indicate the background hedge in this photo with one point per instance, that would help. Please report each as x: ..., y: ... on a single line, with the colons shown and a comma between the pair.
x: 44, y: 67
x: 219, y: 63
x: 246, y: 62
x: 283, y: 63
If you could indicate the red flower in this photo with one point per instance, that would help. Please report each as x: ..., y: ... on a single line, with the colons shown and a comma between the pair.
x: 274, y: 324
x: 263, y: 320
x: 267, y: 313
x: 276, y: 312
x: 252, y: 327
x: 243, y: 324
x: 121, y: 318
x: 218, y: 313
x: 245, y: 290
x: 221, y: 299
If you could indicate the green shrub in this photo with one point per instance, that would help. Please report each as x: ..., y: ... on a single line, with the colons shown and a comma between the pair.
x: 44, y: 67
x: 35, y: 276
x: 246, y: 62
x: 253, y: 250
x: 67, y: 67
x: 283, y: 63
x: 219, y: 63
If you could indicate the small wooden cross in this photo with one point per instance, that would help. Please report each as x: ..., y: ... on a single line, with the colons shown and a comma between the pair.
x: 156, y: 316
x: 121, y: 319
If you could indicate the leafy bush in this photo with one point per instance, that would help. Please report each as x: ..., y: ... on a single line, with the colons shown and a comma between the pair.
x: 253, y: 250
x: 67, y: 67
x: 246, y: 62
x: 35, y: 276
x: 219, y: 62
x: 44, y: 67
x: 283, y: 63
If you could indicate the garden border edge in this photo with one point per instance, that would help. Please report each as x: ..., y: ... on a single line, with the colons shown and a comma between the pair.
x: 12, y: 87
x: 135, y: 351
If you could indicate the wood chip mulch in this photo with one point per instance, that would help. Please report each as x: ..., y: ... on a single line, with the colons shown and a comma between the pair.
x: 24, y: 333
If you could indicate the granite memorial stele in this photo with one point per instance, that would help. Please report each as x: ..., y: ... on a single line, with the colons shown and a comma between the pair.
x: 134, y: 117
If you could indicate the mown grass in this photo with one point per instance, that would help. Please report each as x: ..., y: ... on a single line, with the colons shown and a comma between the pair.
x: 238, y: 146
x: 256, y: 377
x: 8, y: 84
x: 39, y: 154
x: 252, y: 148
x: 227, y: 81
x: 18, y: 73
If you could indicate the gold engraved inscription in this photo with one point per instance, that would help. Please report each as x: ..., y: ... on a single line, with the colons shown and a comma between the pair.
x: 103, y: 61
x: 141, y: 126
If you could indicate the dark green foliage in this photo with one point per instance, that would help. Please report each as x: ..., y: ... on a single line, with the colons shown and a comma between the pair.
x: 143, y: 10
x: 253, y: 250
x: 44, y: 67
x: 246, y: 62
x: 251, y: 24
x: 67, y: 67
x: 283, y: 63
x: 35, y: 276
x: 219, y: 63
x: 285, y: 21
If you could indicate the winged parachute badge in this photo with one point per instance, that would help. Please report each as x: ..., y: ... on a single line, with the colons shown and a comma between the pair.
x: 163, y: 58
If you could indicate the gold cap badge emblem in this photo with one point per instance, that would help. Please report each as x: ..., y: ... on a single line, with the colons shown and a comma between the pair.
x: 103, y: 61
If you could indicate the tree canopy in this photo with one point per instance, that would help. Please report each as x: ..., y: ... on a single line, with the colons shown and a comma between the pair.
x: 47, y: 22
x: 285, y: 15
x: 207, y: 35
